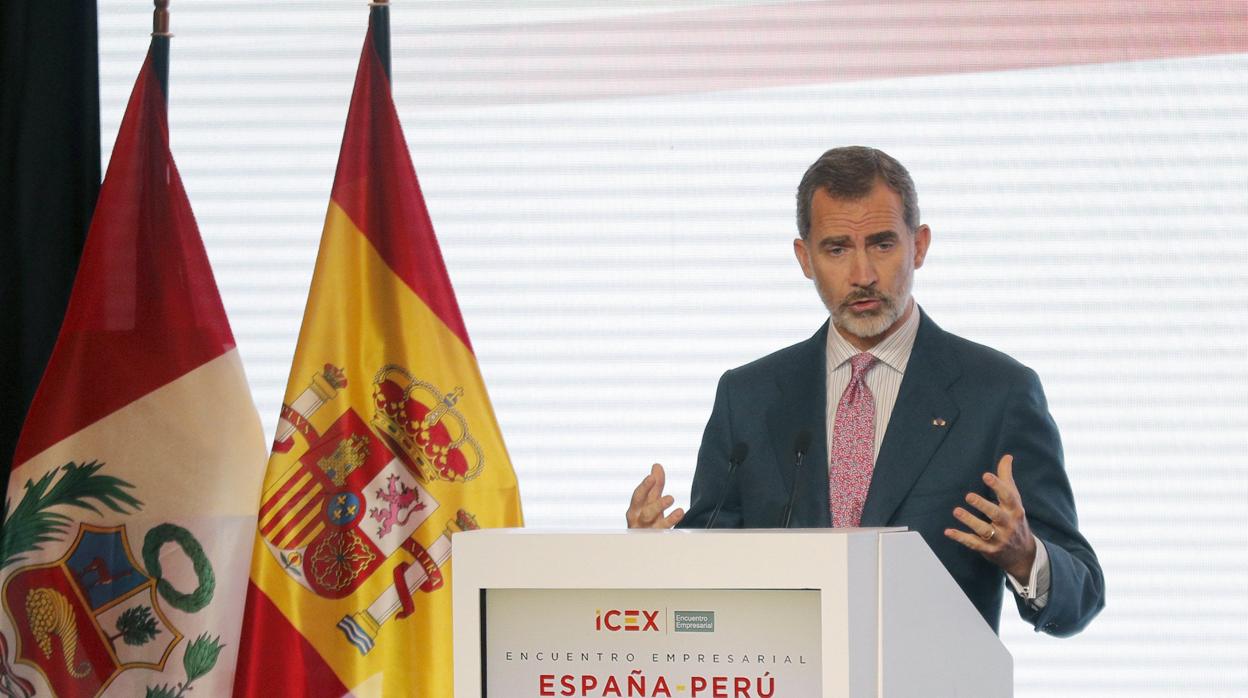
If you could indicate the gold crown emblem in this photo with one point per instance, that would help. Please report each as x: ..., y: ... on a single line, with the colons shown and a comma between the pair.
x: 424, y: 428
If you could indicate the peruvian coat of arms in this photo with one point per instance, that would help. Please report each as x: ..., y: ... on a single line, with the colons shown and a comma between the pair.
x: 96, y: 611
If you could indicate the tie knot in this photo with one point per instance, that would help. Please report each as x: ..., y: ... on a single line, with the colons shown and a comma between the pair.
x: 860, y: 363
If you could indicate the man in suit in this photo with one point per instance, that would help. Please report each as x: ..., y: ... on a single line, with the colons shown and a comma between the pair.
x: 883, y: 419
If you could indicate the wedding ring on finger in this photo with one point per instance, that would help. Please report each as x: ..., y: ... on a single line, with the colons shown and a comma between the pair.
x: 992, y: 533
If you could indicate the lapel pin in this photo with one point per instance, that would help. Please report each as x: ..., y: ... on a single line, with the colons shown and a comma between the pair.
x: 939, y: 422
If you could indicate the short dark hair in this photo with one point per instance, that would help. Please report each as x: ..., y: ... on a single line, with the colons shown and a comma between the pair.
x: 850, y: 173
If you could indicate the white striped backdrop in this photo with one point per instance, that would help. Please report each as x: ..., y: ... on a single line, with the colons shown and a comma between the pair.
x: 615, y: 249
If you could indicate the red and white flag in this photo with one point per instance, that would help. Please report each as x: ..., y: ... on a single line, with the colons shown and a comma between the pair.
x: 132, y: 502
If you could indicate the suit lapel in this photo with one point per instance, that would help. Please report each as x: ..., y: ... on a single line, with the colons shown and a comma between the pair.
x: 923, y: 415
x: 803, y: 405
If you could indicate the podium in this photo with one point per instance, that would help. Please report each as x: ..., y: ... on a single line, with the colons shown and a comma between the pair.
x: 715, y: 614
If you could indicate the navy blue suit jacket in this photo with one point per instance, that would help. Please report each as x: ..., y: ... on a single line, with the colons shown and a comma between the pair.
x: 961, y: 406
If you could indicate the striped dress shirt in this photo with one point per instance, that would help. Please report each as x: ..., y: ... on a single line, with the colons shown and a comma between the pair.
x: 883, y: 379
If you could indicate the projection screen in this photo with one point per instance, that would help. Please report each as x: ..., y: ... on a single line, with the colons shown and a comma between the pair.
x: 612, y: 185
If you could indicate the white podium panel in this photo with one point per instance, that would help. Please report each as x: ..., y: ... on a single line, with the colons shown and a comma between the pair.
x: 705, y: 614
x: 648, y: 642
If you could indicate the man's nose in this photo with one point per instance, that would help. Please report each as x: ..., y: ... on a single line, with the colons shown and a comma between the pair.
x: 862, y: 274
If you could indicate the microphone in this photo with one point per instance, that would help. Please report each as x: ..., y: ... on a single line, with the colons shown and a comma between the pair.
x: 801, y: 444
x: 739, y: 451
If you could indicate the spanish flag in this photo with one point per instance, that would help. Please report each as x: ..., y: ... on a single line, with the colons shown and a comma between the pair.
x: 386, y: 447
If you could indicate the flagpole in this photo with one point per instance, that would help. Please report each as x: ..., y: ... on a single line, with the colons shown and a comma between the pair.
x: 160, y: 45
x: 379, y: 21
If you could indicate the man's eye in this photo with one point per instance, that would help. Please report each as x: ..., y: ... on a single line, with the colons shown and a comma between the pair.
x: 885, y: 246
x: 835, y: 251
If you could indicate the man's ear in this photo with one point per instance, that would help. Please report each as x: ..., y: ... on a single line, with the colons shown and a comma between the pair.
x: 922, y: 240
x: 802, y: 252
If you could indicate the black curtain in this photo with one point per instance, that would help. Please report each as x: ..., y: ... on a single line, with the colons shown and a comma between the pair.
x: 49, y: 179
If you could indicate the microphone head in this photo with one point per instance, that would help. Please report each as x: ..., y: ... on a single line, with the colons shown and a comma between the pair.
x: 801, y: 443
x: 739, y: 451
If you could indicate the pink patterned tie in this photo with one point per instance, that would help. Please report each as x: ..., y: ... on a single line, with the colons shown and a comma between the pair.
x: 853, y: 446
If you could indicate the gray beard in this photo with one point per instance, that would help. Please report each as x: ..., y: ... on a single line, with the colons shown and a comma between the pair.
x: 868, y: 326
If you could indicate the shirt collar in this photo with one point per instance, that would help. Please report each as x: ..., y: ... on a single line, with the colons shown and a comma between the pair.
x: 893, y: 351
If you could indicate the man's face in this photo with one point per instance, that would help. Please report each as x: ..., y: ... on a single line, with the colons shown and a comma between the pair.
x: 862, y: 258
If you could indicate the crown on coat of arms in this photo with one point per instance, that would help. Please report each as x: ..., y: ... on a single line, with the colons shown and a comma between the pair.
x: 423, y: 426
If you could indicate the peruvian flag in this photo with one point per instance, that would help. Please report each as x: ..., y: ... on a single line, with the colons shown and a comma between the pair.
x: 132, y: 502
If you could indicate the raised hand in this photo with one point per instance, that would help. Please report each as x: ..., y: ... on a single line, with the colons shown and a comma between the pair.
x: 648, y: 503
x: 1004, y: 538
